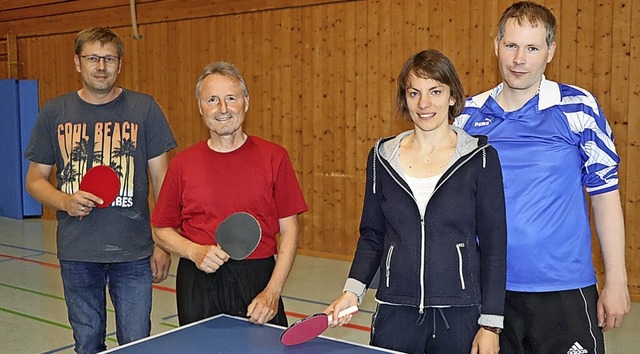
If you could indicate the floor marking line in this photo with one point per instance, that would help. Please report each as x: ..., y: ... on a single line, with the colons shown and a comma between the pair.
x: 47, y: 264
x: 39, y: 319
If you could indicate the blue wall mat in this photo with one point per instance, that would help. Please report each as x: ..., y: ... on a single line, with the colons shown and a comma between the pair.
x: 10, y: 159
x: 12, y: 192
x: 28, y: 114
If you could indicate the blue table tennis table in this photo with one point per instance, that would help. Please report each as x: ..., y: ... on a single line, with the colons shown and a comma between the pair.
x: 228, y: 334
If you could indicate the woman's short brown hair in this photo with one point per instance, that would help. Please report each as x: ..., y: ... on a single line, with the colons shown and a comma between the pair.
x: 430, y: 64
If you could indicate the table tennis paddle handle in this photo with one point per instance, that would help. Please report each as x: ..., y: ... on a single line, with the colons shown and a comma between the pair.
x: 348, y: 310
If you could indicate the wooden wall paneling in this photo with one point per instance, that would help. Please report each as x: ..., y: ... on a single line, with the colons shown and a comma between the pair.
x: 12, y: 56
x: 162, y: 74
x: 67, y: 22
x: 35, y: 9
x: 617, y: 114
x: 195, y: 51
x: 325, y: 127
x: 553, y: 70
x: 602, y: 83
x: 620, y: 63
x: 337, y: 123
x: 311, y: 220
x: 257, y: 80
x: 4, y: 58
x: 297, y: 83
x: 175, y: 43
x: 363, y: 143
x: 142, y: 63
x: 275, y: 93
x: 350, y: 137
x: 65, y: 77
x: 325, y: 124
x: 132, y: 53
x: 250, y: 62
x: 566, y: 54
x: 602, y: 53
x: 12, y: 4
x: 408, y: 32
x: 283, y: 84
x: 436, y: 24
x: 318, y: 144
x: 584, y: 44
x: 455, y: 36
x: 631, y: 203
x: 373, y: 72
x: 266, y: 70
x: 23, y: 53
x: 239, y: 35
x: 478, y: 41
x: 421, y: 9
x: 72, y: 16
x: 387, y: 48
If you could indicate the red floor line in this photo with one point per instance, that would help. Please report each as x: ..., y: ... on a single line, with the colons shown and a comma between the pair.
x: 164, y: 288
x: 349, y: 325
x: 46, y: 264
x: 57, y: 266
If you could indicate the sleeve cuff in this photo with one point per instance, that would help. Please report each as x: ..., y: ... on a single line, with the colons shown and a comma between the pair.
x: 491, y: 321
x: 356, y: 287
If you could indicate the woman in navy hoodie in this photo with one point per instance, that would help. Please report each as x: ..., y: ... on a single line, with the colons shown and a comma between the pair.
x: 433, y: 224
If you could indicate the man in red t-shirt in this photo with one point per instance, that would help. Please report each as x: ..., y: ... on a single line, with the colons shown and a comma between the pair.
x: 230, y: 172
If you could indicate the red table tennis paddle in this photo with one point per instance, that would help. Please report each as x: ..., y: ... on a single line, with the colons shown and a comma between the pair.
x: 103, y: 182
x: 310, y: 327
x: 239, y: 235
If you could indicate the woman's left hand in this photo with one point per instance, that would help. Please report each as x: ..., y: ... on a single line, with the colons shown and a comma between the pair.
x: 485, y: 342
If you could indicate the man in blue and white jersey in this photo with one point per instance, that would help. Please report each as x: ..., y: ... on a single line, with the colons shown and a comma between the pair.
x: 554, y: 142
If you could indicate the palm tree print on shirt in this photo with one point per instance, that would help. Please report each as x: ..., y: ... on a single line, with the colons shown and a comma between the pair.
x: 110, y: 143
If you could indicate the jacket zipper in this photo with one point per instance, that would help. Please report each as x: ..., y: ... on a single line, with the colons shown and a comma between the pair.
x: 458, y: 247
x: 388, y: 265
x: 423, y: 245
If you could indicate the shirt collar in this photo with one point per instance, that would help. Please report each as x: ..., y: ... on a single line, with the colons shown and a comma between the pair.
x: 548, y: 94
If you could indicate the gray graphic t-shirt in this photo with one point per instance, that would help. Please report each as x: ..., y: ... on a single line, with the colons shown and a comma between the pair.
x: 124, y: 134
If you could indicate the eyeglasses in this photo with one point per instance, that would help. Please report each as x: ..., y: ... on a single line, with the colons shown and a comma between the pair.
x: 95, y: 59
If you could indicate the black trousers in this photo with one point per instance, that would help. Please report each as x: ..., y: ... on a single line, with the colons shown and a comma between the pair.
x: 448, y: 330
x: 229, y: 290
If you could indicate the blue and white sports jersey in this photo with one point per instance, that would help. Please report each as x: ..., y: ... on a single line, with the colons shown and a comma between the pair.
x: 555, y: 146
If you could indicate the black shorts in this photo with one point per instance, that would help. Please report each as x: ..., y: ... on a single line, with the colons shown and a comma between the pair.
x: 229, y: 290
x: 563, y: 322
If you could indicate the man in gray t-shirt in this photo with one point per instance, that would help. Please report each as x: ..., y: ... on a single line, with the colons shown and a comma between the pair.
x: 102, y: 124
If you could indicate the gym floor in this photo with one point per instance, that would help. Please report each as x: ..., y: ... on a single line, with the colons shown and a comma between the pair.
x: 33, y: 315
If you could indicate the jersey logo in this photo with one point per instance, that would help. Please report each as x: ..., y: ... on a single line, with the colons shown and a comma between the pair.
x: 576, y: 348
x: 484, y: 123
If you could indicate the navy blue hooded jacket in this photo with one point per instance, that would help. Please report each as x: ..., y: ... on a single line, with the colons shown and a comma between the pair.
x: 456, y: 254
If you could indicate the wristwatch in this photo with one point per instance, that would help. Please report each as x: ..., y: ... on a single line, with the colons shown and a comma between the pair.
x: 495, y: 330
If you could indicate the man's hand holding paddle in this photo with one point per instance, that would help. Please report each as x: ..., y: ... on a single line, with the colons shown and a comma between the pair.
x: 208, y: 258
x: 80, y: 203
x: 98, y: 188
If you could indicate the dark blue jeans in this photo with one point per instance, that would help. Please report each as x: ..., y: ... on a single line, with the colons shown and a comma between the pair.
x: 85, y: 286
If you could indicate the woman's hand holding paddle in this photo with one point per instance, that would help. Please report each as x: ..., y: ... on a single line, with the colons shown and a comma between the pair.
x: 345, y: 301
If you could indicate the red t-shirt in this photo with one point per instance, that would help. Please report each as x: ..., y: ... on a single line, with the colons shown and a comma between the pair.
x: 202, y: 187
